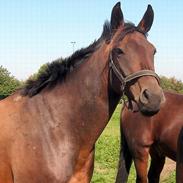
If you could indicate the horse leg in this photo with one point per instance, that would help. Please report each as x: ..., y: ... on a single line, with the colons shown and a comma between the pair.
x: 141, y: 165
x: 179, y: 166
x: 157, y: 164
x: 125, y: 161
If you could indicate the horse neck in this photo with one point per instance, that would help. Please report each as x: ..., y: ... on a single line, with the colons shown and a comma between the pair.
x: 98, y: 100
x: 90, y: 101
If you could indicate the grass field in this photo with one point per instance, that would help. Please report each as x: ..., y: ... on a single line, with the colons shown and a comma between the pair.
x: 107, y: 154
x: 170, y: 178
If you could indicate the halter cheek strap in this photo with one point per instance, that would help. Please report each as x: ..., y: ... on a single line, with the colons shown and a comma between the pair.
x: 131, y: 77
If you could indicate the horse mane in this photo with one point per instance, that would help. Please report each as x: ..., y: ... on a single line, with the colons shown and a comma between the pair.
x: 58, y: 69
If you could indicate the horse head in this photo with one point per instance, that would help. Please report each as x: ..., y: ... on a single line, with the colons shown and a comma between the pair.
x: 131, y: 61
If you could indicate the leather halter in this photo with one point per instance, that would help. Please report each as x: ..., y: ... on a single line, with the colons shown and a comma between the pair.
x: 126, y: 79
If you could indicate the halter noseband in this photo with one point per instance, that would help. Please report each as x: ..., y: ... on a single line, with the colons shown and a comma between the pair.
x: 131, y: 77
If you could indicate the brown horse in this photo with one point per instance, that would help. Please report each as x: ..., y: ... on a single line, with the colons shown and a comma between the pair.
x: 48, y: 129
x: 156, y: 135
x: 179, y: 166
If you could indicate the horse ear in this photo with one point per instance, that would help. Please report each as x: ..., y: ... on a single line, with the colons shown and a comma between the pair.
x: 116, y: 17
x: 147, y: 20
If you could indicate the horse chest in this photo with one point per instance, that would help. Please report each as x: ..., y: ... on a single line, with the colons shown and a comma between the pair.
x: 59, y: 160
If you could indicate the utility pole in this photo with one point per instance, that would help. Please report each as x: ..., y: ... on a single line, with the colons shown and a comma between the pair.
x: 73, y: 45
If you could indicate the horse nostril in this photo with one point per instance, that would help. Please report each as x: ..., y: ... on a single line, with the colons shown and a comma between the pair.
x: 145, y: 96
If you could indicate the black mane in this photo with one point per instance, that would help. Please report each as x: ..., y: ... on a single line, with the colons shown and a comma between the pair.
x: 57, y: 70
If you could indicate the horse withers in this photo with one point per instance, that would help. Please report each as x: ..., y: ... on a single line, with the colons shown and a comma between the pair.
x: 156, y: 135
x: 49, y: 128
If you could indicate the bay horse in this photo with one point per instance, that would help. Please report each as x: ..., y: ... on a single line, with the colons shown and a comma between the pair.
x: 156, y: 135
x: 48, y: 129
x: 179, y: 164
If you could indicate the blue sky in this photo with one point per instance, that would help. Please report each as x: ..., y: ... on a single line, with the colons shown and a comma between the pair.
x: 34, y: 32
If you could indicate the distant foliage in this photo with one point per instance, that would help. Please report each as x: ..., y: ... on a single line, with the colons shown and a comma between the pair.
x: 8, y: 83
x: 172, y: 84
x: 40, y: 71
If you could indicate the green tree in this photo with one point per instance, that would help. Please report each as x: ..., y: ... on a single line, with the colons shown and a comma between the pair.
x: 8, y: 83
x: 39, y: 72
x: 172, y: 84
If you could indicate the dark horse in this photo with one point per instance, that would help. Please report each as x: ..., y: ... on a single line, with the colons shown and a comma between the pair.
x: 49, y: 128
x: 179, y: 166
x: 156, y: 135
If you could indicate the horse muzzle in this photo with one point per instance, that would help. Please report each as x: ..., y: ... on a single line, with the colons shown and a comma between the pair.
x: 149, y: 103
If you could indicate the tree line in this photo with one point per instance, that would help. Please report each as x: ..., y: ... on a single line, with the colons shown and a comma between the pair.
x: 9, y: 84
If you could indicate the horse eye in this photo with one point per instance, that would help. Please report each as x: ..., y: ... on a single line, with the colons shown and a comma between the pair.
x: 119, y: 51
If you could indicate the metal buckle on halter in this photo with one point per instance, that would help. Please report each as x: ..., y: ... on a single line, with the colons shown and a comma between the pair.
x: 123, y: 85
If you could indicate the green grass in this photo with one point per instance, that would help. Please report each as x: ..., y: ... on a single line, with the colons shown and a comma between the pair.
x: 107, y: 151
x: 170, y: 178
x: 107, y: 154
